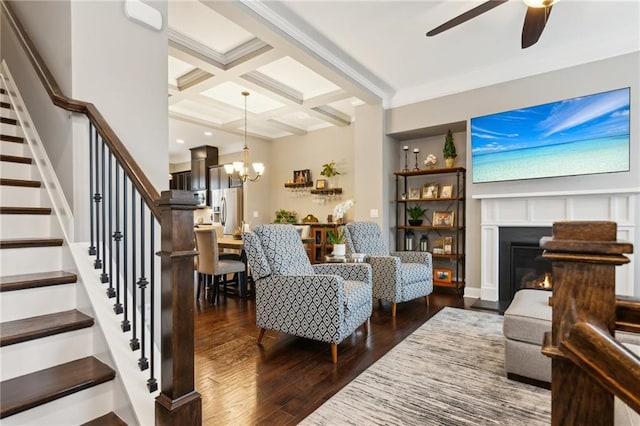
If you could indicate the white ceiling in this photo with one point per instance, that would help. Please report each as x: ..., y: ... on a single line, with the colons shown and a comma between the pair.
x: 307, y: 64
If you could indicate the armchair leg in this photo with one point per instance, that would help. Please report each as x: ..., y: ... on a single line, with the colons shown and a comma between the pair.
x: 261, y: 335
x: 334, y: 353
x: 393, y: 309
x: 365, y: 325
x: 426, y: 299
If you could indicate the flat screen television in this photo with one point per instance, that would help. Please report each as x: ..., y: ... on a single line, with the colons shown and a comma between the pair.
x: 578, y: 136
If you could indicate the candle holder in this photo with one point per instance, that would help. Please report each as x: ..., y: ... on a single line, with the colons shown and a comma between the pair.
x: 416, y: 151
x: 406, y: 165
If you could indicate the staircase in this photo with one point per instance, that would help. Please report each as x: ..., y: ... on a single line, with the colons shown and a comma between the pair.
x: 49, y: 349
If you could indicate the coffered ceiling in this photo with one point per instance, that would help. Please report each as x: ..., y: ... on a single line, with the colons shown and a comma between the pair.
x: 308, y: 64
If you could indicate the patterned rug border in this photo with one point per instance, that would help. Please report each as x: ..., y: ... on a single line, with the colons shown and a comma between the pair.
x: 450, y: 371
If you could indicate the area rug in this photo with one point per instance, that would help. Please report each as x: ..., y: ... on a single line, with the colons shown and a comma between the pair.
x: 450, y: 371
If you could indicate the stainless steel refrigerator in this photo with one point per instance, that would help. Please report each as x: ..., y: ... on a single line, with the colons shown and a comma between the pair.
x: 227, y: 208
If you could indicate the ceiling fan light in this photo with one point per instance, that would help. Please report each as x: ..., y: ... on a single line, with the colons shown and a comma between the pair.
x: 539, y: 3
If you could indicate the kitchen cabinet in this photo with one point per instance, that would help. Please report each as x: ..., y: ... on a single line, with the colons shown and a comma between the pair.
x: 181, y: 180
x: 202, y: 158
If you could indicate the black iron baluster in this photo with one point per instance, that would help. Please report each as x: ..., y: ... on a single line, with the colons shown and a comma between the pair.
x: 97, y: 264
x: 125, y: 325
x: 92, y: 247
x: 117, y: 237
x: 111, y: 292
x: 152, y: 383
x: 104, y: 277
x: 143, y: 363
x: 134, y: 343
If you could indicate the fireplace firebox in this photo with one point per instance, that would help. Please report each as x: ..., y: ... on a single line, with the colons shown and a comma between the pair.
x: 520, y: 260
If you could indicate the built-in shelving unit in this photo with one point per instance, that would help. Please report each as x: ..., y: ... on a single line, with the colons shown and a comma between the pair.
x: 412, y: 187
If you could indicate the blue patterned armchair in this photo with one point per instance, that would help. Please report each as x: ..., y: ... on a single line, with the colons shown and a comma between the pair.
x: 324, y: 302
x: 398, y: 276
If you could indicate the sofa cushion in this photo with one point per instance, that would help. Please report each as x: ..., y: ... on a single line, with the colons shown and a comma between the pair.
x: 290, y: 257
x: 528, y: 316
x: 367, y: 238
x: 356, y: 294
x: 414, y: 272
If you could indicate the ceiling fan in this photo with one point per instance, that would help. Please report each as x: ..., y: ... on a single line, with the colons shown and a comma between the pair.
x: 538, y: 12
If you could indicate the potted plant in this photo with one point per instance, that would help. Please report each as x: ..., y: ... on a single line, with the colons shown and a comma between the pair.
x: 415, y: 213
x: 329, y: 170
x: 449, y: 149
x: 337, y: 238
x: 286, y: 216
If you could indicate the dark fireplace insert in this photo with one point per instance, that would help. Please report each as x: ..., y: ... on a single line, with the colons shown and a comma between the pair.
x: 520, y: 261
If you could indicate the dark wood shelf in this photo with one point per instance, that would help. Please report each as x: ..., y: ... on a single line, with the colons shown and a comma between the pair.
x: 326, y: 191
x: 431, y: 171
x: 452, y: 284
x: 298, y: 185
x: 415, y: 200
x: 431, y: 228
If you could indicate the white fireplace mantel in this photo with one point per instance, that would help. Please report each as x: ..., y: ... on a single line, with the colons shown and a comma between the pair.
x: 544, y: 210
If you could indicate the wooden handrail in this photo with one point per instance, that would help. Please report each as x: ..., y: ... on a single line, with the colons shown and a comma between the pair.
x: 608, y: 362
x: 628, y: 314
x: 132, y: 169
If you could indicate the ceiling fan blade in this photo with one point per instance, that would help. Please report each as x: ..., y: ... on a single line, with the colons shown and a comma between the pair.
x: 534, y: 22
x: 470, y: 14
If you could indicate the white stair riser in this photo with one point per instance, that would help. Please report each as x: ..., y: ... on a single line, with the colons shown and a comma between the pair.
x: 27, y: 357
x: 10, y: 130
x: 33, y: 302
x: 8, y: 113
x: 11, y: 170
x: 26, y: 226
x: 19, y: 196
x: 75, y: 409
x: 16, y: 149
x: 30, y: 260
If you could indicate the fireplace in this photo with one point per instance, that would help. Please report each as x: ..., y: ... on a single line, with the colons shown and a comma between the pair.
x: 520, y: 260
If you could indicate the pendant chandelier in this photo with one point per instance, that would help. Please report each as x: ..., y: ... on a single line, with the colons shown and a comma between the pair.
x: 242, y: 167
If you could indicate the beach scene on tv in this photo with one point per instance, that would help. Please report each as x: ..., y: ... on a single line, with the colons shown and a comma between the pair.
x: 578, y: 136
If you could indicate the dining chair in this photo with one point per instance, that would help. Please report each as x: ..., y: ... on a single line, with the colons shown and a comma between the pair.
x: 212, y: 266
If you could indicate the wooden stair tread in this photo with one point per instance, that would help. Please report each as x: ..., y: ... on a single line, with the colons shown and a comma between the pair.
x: 31, y: 242
x: 43, y: 279
x: 25, y: 210
x: 20, y: 182
x: 16, y: 139
x: 26, y: 329
x: 109, y: 419
x: 11, y: 121
x: 34, y: 389
x: 15, y: 159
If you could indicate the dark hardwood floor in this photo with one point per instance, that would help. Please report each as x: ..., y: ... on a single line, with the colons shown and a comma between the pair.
x: 286, y: 378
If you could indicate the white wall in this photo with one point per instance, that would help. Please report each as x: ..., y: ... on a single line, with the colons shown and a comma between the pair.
x: 121, y: 67
x: 622, y: 71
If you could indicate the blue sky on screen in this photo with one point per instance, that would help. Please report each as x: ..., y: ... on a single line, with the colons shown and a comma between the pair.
x: 590, y: 117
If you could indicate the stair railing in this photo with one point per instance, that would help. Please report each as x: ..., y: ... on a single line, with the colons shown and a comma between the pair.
x: 125, y: 210
x: 589, y: 366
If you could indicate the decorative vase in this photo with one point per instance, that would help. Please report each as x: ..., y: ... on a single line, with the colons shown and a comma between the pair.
x: 449, y: 161
x: 339, y: 249
x: 415, y: 222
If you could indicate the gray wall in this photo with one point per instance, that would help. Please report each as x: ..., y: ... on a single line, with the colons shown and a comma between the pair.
x: 614, y: 73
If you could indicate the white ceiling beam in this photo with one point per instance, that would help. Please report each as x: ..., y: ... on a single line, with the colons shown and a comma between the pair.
x: 192, y: 78
x: 331, y: 115
x: 289, y: 128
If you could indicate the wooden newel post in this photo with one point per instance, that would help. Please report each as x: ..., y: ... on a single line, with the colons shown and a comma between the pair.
x: 584, y: 256
x: 178, y: 403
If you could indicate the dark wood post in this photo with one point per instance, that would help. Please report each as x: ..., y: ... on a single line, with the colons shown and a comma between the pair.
x: 584, y: 257
x: 178, y: 403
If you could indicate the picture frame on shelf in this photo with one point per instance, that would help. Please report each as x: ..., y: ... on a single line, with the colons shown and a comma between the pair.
x: 443, y: 218
x: 442, y: 275
x: 414, y: 194
x: 321, y: 184
x: 446, y: 191
x: 447, y: 245
x: 438, y: 246
x: 430, y: 190
x: 302, y: 176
